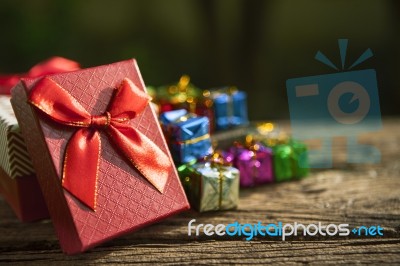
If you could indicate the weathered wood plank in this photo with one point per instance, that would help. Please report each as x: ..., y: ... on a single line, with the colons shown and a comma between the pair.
x: 364, y: 194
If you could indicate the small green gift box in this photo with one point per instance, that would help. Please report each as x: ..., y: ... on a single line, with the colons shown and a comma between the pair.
x: 210, y: 185
x: 290, y: 160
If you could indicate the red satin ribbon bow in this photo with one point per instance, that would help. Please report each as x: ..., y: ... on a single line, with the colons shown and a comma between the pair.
x: 81, y: 161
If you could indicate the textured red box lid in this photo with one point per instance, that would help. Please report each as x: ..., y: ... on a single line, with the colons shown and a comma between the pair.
x: 125, y: 200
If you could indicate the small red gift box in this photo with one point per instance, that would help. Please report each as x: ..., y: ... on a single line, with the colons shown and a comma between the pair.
x: 18, y: 183
x: 102, y: 161
x: 55, y: 64
x: 24, y: 196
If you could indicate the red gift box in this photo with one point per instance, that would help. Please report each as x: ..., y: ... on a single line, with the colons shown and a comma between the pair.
x: 24, y: 196
x: 87, y: 124
x: 18, y: 183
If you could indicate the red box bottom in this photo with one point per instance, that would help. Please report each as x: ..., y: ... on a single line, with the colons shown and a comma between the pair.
x: 24, y: 196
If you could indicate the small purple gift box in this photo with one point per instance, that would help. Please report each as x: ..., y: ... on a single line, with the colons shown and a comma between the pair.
x: 254, y: 163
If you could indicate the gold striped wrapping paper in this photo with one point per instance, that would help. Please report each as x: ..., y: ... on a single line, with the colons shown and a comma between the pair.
x: 14, y: 158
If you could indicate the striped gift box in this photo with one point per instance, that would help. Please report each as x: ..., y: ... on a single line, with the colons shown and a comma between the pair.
x: 18, y: 183
x: 14, y: 158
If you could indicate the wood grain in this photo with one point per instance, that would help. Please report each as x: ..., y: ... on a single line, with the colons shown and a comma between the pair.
x: 357, y: 194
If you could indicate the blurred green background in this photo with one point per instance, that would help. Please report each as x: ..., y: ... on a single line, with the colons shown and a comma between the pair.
x: 255, y: 45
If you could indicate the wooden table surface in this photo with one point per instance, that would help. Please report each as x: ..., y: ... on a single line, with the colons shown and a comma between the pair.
x: 357, y: 194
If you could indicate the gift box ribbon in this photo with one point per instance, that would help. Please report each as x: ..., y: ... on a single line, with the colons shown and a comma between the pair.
x: 81, y: 160
x: 51, y: 66
x: 217, y: 161
x: 195, y: 140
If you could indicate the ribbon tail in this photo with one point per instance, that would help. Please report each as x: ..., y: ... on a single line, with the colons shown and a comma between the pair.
x: 81, y: 164
x: 146, y: 156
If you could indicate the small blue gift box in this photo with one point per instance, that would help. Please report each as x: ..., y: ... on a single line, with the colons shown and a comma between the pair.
x: 187, y: 135
x: 230, y: 108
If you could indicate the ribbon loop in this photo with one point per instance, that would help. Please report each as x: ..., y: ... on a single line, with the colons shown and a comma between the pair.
x: 81, y: 160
